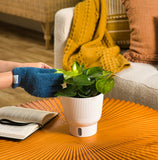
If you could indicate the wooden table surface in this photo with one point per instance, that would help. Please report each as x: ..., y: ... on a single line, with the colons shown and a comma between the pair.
x: 125, y: 131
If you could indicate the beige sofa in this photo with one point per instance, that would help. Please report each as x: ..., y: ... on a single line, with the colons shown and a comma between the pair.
x: 136, y: 84
x: 42, y: 11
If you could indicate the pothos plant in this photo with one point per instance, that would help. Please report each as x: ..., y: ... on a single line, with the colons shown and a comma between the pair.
x: 81, y: 82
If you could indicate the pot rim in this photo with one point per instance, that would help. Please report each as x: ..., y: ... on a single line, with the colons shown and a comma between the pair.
x: 83, y: 97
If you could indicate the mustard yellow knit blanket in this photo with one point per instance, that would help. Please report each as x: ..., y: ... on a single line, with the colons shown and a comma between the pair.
x: 89, y: 41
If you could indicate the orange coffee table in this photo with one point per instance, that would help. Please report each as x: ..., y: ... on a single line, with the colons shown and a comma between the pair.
x: 126, y: 131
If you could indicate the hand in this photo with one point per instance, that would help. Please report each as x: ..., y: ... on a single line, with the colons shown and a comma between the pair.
x: 6, y: 66
x: 39, y: 82
x: 37, y: 65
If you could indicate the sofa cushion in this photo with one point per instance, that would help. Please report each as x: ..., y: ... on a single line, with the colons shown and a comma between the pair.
x: 137, y: 84
x: 144, y: 31
x: 152, y: 81
x: 138, y: 72
x: 117, y: 23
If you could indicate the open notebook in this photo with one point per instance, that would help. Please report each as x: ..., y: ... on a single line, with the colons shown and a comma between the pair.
x: 19, y: 122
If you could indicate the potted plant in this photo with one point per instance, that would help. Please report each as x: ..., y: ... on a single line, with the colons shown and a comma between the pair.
x: 82, y: 97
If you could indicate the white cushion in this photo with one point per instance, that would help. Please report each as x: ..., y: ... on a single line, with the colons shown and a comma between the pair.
x: 137, y: 84
x: 63, y: 20
x: 152, y: 82
x: 138, y: 72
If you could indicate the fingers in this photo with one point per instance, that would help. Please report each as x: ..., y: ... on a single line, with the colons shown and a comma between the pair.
x: 43, y: 65
x: 36, y: 65
x: 43, y: 71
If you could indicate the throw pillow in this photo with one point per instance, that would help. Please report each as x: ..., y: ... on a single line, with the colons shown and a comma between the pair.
x: 117, y: 23
x: 144, y: 30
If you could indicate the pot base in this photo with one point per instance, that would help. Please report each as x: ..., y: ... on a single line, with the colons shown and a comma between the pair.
x: 83, y: 131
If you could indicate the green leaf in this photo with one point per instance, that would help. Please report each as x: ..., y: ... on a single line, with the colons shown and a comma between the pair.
x: 82, y: 80
x: 69, y: 81
x: 107, y: 73
x: 82, y: 95
x: 70, y: 74
x: 67, y: 92
x: 82, y: 67
x: 75, y: 67
x: 60, y: 71
x: 105, y: 85
x: 94, y: 72
x: 85, y: 90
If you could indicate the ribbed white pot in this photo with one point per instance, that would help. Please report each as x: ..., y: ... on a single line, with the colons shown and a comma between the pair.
x: 82, y: 114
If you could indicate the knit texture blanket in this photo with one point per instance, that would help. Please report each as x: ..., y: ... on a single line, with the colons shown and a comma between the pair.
x: 89, y: 41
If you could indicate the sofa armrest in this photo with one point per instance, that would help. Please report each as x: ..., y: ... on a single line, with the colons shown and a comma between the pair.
x: 63, y: 21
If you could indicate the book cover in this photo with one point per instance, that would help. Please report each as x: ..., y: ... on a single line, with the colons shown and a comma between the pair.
x: 19, y: 122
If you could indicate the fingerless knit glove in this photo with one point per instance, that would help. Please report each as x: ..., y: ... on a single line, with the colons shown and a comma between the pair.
x: 39, y: 82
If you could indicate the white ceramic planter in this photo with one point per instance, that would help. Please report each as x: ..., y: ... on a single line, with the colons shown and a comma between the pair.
x: 82, y: 114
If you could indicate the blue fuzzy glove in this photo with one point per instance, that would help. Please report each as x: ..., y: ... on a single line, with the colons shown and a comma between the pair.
x: 39, y: 82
